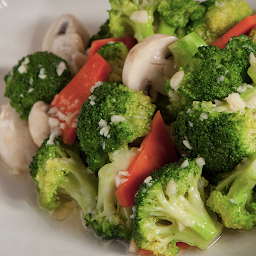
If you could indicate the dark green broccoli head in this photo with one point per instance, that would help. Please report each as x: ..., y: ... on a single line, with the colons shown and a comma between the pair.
x: 220, y: 16
x: 108, y: 218
x: 213, y: 73
x: 177, y: 13
x: 169, y: 209
x: 162, y: 102
x: 103, y: 33
x: 239, y: 50
x: 217, y: 134
x: 58, y: 170
x: 177, y: 101
x: 115, y: 54
x: 233, y: 198
x: 112, y: 116
x: 39, y: 76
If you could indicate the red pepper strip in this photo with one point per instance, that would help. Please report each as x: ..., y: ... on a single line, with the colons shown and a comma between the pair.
x: 95, y: 46
x: 71, y: 98
x: 182, y: 245
x: 144, y: 252
x: 243, y: 27
x: 156, y: 150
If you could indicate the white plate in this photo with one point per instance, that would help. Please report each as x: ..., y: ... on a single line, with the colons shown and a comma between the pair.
x: 26, y: 230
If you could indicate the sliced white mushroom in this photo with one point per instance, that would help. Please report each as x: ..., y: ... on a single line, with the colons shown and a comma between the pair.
x: 16, y: 145
x: 149, y: 64
x: 68, y: 38
x: 38, y: 122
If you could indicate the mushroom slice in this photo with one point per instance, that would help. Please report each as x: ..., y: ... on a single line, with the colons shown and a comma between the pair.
x: 38, y: 122
x: 149, y: 64
x: 68, y: 38
x: 16, y: 145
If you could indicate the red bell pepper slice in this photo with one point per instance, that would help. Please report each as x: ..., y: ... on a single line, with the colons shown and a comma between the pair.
x: 70, y: 99
x: 144, y: 252
x: 95, y: 46
x: 243, y: 27
x: 156, y: 150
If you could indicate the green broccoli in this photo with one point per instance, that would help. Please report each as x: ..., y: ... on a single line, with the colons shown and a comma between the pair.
x: 252, y: 34
x: 222, y: 133
x: 115, y: 54
x: 178, y: 13
x: 161, y: 102
x: 184, y: 49
x: 108, y: 218
x: 112, y: 116
x: 209, y: 19
x: 220, y: 16
x: 211, y: 74
x: 239, y: 50
x: 103, y: 33
x: 169, y: 209
x: 39, y: 76
x: 142, y: 19
x: 233, y: 197
x: 132, y: 18
x: 58, y: 170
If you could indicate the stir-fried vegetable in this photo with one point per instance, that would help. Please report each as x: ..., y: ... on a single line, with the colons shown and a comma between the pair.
x: 135, y: 176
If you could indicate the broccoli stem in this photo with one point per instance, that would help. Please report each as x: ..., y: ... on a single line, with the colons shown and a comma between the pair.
x: 141, y: 30
x: 185, y: 236
x: 184, y: 49
x: 241, y: 183
x: 252, y: 69
x: 187, y: 215
x: 165, y: 28
x: 78, y: 184
x: 240, y: 190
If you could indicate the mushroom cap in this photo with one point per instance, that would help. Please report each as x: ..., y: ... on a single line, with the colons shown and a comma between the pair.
x: 16, y: 145
x: 38, y: 122
x: 65, y: 24
x: 68, y: 38
x: 149, y: 63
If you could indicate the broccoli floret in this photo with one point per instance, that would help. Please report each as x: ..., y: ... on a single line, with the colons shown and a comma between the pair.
x: 115, y: 54
x: 112, y: 116
x: 220, y: 16
x: 222, y: 134
x: 132, y: 18
x: 233, y: 197
x: 178, y: 13
x: 108, y: 218
x: 169, y: 209
x: 252, y: 34
x: 103, y: 33
x: 162, y: 101
x: 211, y: 74
x: 39, y: 76
x: 58, y: 170
x: 239, y: 50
